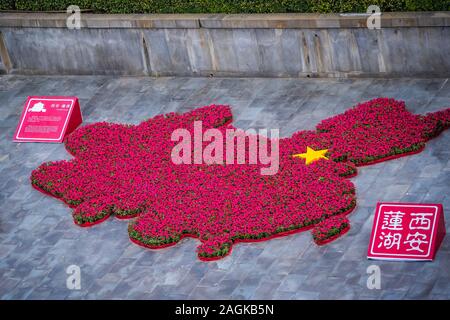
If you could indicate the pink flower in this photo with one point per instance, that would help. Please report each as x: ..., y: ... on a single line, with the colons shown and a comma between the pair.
x: 127, y: 171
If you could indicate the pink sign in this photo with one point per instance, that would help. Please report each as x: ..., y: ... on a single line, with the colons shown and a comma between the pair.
x: 48, y: 119
x: 405, y: 231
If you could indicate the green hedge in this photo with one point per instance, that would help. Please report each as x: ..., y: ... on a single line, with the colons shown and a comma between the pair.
x: 226, y: 6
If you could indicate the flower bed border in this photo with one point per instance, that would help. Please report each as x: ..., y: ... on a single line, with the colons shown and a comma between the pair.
x: 332, y: 238
x: 240, y: 240
x: 391, y: 157
x: 87, y: 223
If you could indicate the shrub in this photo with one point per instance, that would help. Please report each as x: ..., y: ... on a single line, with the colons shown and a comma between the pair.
x: 7, y: 4
x: 226, y: 6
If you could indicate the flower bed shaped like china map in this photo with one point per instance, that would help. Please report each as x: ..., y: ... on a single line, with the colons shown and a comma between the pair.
x: 127, y: 171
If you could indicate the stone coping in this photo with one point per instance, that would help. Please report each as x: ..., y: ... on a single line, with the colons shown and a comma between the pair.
x: 229, y: 21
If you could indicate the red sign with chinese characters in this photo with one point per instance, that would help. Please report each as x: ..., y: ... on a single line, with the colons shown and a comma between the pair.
x: 48, y: 119
x: 406, y: 231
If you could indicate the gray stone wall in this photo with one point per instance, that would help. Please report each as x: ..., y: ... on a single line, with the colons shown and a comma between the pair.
x: 85, y: 51
x: 254, y: 45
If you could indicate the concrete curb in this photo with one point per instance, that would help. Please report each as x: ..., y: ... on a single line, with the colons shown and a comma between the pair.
x: 227, y: 21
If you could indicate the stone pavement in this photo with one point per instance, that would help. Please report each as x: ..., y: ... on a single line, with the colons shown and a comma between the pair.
x: 38, y: 239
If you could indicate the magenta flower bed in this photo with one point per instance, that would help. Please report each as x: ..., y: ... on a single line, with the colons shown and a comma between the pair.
x: 127, y: 171
x: 330, y: 229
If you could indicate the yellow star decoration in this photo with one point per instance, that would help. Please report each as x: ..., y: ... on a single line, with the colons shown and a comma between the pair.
x: 312, y: 155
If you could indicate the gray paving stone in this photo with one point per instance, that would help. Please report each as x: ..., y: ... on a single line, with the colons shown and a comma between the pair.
x: 38, y: 239
x: 305, y: 295
x: 292, y: 282
x: 246, y: 288
x: 265, y: 290
x: 283, y: 295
